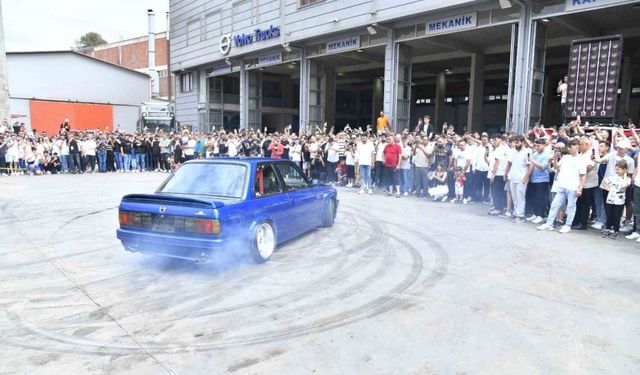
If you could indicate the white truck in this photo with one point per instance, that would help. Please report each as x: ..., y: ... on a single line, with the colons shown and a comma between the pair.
x: 158, y: 115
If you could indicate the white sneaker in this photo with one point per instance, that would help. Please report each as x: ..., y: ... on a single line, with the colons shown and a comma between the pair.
x: 633, y: 236
x: 370, y: 191
x: 638, y: 240
x: 465, y: 201
x: 444, y: 199
x: 349, y: 185
x: 537, y: 220
x: 597, y: 225
x: 361, y: 191
x: 453, y: 200
x: 405, y: 194
x: 531, y: 218
x: 565, y: 229
x: 545, y: 226
x: 626, y: 228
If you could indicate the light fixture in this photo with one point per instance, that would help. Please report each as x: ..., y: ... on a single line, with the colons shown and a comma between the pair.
x: 286, y: 47
x: 546, y: 20
x: 294, y: 62
x: 447, y: 71
x: 340, y: 74
x: 372, y: 30
x: 335, y: 20
x: 261, y: 68
x: 381, y: 77
x: 359, y: 50
x: 504, y: 4
x: 227, y: 61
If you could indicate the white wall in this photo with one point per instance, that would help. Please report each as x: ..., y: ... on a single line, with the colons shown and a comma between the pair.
x: 69, y: 76
x: 126, y: 117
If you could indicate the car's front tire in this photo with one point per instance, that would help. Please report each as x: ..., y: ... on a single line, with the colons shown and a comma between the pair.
x: 329, y: 215
x: 263, y: 242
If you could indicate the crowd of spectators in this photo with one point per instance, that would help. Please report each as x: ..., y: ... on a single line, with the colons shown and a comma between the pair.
x: 570, y: 178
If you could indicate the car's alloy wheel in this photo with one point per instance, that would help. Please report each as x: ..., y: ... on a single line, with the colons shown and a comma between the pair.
x: 265, y: 242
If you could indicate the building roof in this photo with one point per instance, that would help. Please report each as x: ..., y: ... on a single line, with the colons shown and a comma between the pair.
x: 79, y: 55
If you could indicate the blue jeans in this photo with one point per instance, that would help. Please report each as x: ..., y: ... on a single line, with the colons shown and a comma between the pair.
x: 118, y: 158
x: 562, y: 196
x: 102, y: 161
x: 64, y: 162
x: 140, y: 161
x: 126, y: 165
x: 365, y: 177
x: 405, y: 180
x: 601, y: 214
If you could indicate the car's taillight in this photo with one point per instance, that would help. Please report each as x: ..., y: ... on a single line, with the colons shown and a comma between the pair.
x: 203, y: 226
x: 134, y: 219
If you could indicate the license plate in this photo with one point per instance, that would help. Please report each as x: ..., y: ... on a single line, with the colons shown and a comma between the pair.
x: 164, y: 224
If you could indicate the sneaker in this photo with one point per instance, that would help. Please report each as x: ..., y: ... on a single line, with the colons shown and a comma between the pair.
x: 531, y: 218
x: 638, y: 240
x: 465, y: 201
x: 494, y: 212
x: 444, y: 199
x: 405, y: 194
x: 361, y: 191
x: 453, y: 200
x: 370, y: 191
x: 625, y: 229
x: 537, y: 220
x: 614, y: 235
x: 518, y: 220
x: 565, y: 229
x: 545, y: 226
x: 605, y: 233
x: 507, y: 215
x: 597, y: 225
x: 397, y: 195
x: 633, y: 236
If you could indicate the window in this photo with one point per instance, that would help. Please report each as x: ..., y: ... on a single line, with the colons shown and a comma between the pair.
x: 304, y: 3
x: 266, y: 181
x: 292, y: 176
x: 193, y: 32
x: 186, y: 82
x: 162, y: 73
x: 207, y: 179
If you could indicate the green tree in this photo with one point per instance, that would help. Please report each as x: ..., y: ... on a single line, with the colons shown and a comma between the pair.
x: 90, y: 39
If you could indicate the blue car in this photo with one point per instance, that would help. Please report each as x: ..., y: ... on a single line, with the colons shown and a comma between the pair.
x: 224, y: 204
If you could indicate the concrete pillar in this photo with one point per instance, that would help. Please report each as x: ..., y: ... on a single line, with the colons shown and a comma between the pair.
x: 390, y: 63
x: 244, y: 97
x: 441, y: 95
x: 203, y: 105
x: 303, y: 109
x: 4, y: 83
x: 476, y: 94
x: 376, y: 101
x: 523, y: 72
x: 625, y: 86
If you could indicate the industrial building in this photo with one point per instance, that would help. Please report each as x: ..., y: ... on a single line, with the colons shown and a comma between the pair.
x: 478, y: 65
x: 45, y: 88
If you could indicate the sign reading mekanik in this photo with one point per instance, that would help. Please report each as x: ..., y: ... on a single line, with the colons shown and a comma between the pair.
x: 343, y: 44
x: 453, y: 23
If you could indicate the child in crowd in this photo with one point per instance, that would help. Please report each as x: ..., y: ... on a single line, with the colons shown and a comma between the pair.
x: 460, y: 180
x: 616, y: 184
x: 342, y: 172
x: 440, y: 191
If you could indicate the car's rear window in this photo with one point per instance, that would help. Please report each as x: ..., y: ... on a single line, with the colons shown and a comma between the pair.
x: 220, y: 180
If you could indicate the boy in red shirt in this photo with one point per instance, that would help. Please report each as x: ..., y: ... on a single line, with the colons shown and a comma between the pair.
x: 276, y: 149
x: 392, y: 157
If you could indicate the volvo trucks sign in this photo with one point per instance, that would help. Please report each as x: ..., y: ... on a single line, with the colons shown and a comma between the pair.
x: 244, y: 39
x: 453, y: 23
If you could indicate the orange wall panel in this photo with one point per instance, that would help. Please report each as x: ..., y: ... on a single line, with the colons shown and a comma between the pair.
x: 47, y: 116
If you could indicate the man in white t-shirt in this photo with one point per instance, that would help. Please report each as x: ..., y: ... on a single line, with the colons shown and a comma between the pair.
x: 365, y: 156
x: 481, y: 170
x: 498, y: 159
x: 462, y: 158
x: 562, y: 91
x: 517, y: 172
x: 569, y: 183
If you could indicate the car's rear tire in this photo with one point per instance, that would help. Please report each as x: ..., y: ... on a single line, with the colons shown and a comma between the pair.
x: 329, y: 215
x: 263, y: 242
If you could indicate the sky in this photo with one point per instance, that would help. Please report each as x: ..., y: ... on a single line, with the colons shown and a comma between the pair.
x: 41, y: 25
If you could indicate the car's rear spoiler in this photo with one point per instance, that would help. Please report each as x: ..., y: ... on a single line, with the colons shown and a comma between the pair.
x: 177, y: 199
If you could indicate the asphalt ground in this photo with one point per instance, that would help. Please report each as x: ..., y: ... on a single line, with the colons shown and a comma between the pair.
x: 397, y: 286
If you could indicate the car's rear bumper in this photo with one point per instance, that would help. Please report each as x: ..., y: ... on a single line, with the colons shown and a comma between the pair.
x: 169, y: 245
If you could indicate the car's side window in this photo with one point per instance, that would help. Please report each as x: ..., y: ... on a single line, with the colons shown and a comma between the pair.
x: 266, y: 181
x: 293, y: 178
